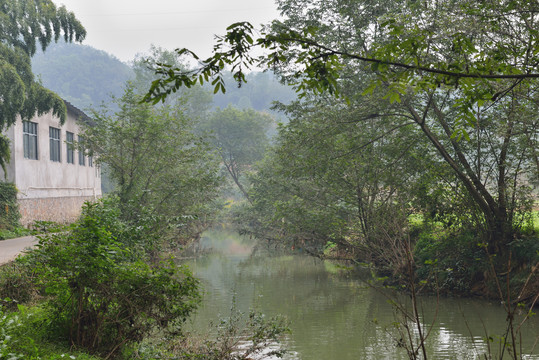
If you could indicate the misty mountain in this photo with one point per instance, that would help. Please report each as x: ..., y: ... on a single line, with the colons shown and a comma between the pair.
x: 80, y: 74
x: 260, y: 91
x: 87, y: 77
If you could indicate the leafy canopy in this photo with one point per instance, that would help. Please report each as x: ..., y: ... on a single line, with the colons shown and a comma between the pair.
x: 25, y: 24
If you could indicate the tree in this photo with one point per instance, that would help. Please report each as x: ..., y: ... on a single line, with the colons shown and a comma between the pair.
x: 240, y: 137
x: 339, y: 174
x: 450, y: 65
x: 158, y: 163
x: 23, y: 25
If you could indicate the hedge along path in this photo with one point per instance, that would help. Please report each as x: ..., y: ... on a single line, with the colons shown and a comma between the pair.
x: 9, y: 249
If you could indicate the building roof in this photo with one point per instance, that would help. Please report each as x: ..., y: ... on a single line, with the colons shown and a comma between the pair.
x: 79, y: 114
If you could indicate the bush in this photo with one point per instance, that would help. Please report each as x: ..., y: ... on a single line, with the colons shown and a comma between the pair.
x: 9, y: 209
x: 460, y: 261
x: 101, y: 294
x: 22, y: 336
x: 17, y: 284
x: 45, y: 227
x: 14, y: 233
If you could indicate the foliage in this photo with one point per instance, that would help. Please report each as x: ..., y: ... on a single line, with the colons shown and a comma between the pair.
x: 460, y: 263
x: 423, y: 45
x: 14, y: 343
x: 195, y: 102
x: 80, y: 74
x: 162, y: 169
x: 25, y: 24
x: 44, y: 226
x: 9, y: 208
x: 421, y: 62
x: 339, y: 174
x: 14, y: 233
x: 101, y: 294
x: 23, y: 336
x: 17, y: 284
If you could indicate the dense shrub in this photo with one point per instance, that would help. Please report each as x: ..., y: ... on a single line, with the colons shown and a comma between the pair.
x: 17, y: 284
x: 101, y: 294
x: 455, y: 258
x: 22, y: 336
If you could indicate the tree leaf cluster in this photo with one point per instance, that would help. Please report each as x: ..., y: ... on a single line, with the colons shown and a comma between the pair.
x: 159, y: 164
x: 24, y: 24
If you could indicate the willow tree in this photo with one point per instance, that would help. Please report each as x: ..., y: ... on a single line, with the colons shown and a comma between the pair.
x: 25, y: 26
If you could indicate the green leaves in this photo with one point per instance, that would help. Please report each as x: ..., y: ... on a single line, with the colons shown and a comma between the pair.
x: 162, y: 168
x: 23, y: 24
x: 97, y: 285
x: 231, y: 50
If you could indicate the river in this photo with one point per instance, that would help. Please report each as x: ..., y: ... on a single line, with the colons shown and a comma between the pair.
x: 332, y: 313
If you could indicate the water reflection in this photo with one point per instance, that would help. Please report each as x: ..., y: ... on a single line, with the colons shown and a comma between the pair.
x: 333, y: 314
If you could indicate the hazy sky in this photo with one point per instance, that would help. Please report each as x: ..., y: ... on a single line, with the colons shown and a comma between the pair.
x: 127, y: 27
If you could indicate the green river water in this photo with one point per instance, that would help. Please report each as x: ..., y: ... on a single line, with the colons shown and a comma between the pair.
x: 332, y: 314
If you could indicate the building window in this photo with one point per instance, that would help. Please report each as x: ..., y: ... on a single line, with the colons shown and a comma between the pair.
x: 54, y: 139
x: 81, y: 151
x: 29, y: 136
x: 90, y: 160
x: 70, y: 152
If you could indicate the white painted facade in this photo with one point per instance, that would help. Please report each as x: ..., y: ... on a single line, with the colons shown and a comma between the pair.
x: 51, y: 190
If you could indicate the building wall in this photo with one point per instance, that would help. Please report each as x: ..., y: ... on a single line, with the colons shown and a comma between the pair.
x: 49, y: 190
x: 61, y: 210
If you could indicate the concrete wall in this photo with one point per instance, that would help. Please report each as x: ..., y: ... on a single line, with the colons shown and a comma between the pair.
x: 48, y: 190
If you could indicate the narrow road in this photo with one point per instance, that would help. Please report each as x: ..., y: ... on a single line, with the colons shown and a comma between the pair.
x: 9, y: 249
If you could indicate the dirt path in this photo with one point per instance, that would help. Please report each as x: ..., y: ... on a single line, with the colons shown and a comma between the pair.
x: 9, y: 249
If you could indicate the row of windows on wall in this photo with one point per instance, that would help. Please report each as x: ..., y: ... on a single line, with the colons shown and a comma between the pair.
x: 30, y: 141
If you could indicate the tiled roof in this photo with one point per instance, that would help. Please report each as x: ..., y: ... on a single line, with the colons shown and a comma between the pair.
x: 79, y: 114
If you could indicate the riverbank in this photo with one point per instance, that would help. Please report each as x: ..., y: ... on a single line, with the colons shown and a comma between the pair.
x: 98, y: 291
x: 333, y: 314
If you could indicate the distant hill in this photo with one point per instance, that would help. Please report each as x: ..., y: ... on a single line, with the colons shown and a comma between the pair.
x: 87, y: 77
x: 81, y: 74
x: 258, y: 93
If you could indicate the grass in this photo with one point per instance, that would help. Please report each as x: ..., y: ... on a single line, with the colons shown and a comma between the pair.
x: 14, y: 233
x: 37, y: 228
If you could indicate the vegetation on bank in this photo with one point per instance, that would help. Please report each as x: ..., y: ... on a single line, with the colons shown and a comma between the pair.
x: 100, y: 289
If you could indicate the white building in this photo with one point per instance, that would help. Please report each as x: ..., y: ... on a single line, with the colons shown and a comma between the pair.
x: 53, y: 178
